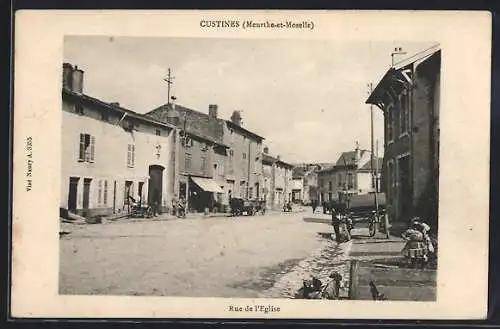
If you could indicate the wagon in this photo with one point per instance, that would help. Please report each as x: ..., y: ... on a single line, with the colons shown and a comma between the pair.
x: 240, y: 206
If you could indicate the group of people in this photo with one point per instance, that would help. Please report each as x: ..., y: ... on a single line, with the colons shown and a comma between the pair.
x: 419, y: 245
x: 179, y: 206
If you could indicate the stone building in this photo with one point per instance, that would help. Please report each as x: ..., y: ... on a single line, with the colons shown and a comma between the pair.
x: 244, y: 162
x: 351, y: 174
x: 110, y: 154
x: 408, y: 95
x: 278, y: 182
x: 201, y: 155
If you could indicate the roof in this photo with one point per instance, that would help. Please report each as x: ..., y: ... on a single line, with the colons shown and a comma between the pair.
x: 234, y: 126
x: 197, y: 123
x: 348, y: 158
x: 398, y: 78
x: 66, y: 93
x: 367, y: 165
x: 266, y: 158
x: 298, y: 172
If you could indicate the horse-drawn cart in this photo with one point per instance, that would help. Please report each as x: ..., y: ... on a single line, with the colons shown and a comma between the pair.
x: 240, y: 206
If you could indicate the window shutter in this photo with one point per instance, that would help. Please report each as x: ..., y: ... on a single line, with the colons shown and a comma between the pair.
x: 99, y: 193
x: 105, y: 198
x: 133, y: 155
x: 81, y: 155
x: 129, y: 154
x: 92, y: 148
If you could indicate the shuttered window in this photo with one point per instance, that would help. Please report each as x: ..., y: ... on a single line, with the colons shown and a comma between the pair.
x: 130, y: 155
x: 99, y: 193
x: 87, y: 148
x: 105, y: 194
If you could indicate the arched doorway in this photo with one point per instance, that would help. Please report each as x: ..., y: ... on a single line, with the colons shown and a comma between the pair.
x: 155, y: 186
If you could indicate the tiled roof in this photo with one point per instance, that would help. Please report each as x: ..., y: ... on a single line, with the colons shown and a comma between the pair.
x: 348, y: 158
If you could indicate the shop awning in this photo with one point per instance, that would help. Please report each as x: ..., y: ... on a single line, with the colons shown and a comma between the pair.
x: 207, y: 184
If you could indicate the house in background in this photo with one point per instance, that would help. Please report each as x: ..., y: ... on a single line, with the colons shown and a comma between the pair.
x: 409, y: 96
x: 244, y: 176
x: 277, y: 180
x: 351, y: 174
x: 110, y: 155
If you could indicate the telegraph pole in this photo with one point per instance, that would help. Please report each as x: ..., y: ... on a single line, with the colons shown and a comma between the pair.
x: 372, y: 158
x: 169, y: 80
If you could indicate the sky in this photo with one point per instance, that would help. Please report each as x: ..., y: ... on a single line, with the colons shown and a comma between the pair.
x: 305, y: 97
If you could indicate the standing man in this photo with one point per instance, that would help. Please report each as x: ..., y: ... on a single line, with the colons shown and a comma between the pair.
x: 314, y: 205
x: 336, y: 218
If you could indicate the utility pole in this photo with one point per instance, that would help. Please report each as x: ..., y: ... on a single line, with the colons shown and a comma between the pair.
x: 169, y: 80
x: 372, y: 158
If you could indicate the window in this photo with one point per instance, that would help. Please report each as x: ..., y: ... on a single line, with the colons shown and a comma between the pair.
x: 131, y: 155
x: 87, y: 148
x: 203, y: 163
x: 339, y: 180
x: 79, y: 109
x: 320, y: 182
x: 330, y: 186
x: 404, y: 114
x: 250, y: 192
x: 158, y: 132
x: 105, y: 194
x: 390, y: 124
x: 350, y: 181
x: 187, y: 161
x: 244, y: 155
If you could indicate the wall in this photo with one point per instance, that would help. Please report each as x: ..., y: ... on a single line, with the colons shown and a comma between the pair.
x: 244, y: 164
x: 110, y: 163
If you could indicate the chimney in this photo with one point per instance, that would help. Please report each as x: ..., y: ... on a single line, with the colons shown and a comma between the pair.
x: 278, y: 157
x: 358, y: 152
x: 212, y: 111
x: 266, y: 150
x: 67, y: 76
x: 116, y: 104
x: 77, y: 80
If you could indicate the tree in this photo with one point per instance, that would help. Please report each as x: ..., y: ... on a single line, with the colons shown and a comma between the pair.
x: 236, y: 118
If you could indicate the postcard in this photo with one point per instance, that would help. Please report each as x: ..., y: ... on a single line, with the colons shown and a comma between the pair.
x: 251, y: 164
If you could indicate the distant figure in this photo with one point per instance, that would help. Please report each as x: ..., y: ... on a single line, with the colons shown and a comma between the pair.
x: 175, y: 204
x: 314, y: 205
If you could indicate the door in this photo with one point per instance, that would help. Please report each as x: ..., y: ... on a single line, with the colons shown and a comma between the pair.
x: 86, y: 193
x: 73, y: 192
x: 405, y: 193
x: 155, y: 184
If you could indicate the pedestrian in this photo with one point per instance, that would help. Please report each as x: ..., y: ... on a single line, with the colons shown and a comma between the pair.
x: 336, y: 218
x: 314, y: 205
x: 175, y: 205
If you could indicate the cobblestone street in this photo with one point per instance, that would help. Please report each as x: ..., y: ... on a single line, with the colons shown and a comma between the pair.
x: 255, y: 256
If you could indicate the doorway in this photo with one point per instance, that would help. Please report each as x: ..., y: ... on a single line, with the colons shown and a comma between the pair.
x: 405, y: 193
x: 155, y: 184
x: 86, y: 193
x: 73, y: 192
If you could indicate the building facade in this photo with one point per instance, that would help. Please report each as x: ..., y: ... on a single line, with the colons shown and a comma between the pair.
x: 278, y: 180
x: 244, y: 175
x: 351, y: 174
x: 110, y: 155
x: 201, y: 156
x: 409, y: 96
